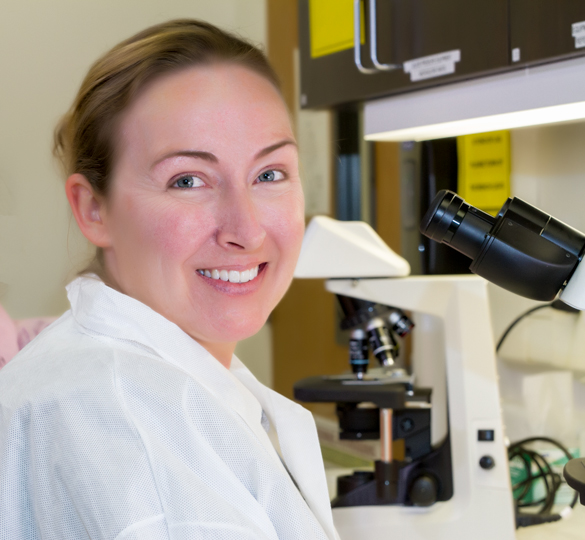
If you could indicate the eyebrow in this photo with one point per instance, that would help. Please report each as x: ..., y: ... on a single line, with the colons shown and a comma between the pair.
x: 274, y: 147
x: 208, y: 156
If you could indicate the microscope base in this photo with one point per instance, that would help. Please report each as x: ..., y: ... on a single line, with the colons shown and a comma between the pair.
x: 419, y: 483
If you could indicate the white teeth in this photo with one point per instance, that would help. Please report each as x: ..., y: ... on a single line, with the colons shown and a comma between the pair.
x: 233, y: 276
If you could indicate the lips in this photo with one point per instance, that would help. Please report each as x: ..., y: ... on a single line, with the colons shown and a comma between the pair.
x: 233, y: 276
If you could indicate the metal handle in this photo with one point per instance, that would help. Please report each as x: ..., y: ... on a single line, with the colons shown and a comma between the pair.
x: 374, y: 42
x: 357, y: 27
x: 373, y: 37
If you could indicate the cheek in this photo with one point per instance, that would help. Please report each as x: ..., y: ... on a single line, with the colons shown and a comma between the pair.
x: 168, y: 231
x: 176, y: 231
x: 287, y: 226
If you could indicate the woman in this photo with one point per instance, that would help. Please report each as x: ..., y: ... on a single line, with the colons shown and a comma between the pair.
x: 130, y: 417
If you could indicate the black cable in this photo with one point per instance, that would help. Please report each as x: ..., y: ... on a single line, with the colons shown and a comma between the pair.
x: 552, y: 482
x: 517, y: 320
x: 545, y: 471
x: 556, y: 304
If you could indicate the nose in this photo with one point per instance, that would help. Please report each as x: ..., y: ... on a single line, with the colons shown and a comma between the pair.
x: 239, y: 226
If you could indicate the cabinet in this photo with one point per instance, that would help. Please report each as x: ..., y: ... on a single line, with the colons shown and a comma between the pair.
x: 406, y: 30
x: 545, y: 30
x: 488, y: 36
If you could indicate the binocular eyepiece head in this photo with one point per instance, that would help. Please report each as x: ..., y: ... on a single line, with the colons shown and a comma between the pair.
x: 522, y: 249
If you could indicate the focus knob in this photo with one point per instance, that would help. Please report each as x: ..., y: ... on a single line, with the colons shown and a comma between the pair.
x: 423, y: 491
x: 487, y: 462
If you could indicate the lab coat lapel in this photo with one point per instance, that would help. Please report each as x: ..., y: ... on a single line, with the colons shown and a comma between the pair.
x: 98, y: 308
x: 299, y: 445
x: 301, y: 452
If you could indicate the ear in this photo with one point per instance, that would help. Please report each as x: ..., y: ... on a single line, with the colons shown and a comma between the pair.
x: 88, y: 209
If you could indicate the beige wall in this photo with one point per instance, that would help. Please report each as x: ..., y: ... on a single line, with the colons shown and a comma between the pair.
x: 548, y: 169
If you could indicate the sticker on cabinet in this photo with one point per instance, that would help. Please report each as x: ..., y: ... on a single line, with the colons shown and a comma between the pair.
x: 435, y: 65
x: 331, y: 26
x: 578, y: 32
x: 484, y: 169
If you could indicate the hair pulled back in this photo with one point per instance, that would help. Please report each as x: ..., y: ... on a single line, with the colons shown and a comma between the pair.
x: 85, y: 139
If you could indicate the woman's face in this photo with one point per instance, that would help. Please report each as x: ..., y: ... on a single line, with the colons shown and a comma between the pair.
x: 205, y: 211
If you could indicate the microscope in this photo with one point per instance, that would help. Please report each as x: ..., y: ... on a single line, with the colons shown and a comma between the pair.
x: 443, y: 467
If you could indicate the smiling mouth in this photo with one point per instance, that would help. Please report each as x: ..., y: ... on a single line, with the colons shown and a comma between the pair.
x: 233, y: 276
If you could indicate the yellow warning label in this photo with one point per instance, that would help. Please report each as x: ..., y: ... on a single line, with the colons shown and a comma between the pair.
x: 484, y: 169
x: 331, y: 26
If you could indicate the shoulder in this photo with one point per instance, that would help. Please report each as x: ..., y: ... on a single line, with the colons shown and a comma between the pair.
x: 44, y: 363
x: 66, y: 437
x: 65, y: 362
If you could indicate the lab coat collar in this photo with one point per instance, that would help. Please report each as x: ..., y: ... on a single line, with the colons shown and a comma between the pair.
x: 101, y: 310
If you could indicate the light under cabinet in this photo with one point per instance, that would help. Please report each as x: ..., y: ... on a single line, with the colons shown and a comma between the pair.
x: 545, y: 94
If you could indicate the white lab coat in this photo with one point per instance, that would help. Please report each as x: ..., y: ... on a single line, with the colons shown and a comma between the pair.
x: 115, y: 424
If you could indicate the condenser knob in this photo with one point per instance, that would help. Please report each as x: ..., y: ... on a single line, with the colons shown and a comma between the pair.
x: 487, y: 462
x: 423, y: 491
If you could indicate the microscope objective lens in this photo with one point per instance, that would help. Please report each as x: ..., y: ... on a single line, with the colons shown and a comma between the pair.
x: 358, y: 352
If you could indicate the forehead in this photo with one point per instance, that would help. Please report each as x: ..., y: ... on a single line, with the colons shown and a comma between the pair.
x: 211, y: 106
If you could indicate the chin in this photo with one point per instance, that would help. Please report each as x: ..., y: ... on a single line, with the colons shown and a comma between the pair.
x: 230, y: 331
x: 243, y: 332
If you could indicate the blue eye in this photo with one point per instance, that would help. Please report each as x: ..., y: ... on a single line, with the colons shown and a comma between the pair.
x: 186, y: 182
x: 267, y: 176
x: 270, y: 176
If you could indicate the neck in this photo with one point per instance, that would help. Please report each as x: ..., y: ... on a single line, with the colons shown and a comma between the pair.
x: 222, y: 352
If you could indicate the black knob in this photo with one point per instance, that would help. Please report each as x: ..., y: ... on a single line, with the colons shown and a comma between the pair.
x: 346, y: 484
x: 487, y: 462
x: 423, y: 491
x: 574, y: 474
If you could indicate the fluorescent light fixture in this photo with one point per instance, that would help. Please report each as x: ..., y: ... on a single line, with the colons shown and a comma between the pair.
x: 545, y: 94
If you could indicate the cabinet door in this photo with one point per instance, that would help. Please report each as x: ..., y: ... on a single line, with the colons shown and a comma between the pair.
x: 544, y: 30
x: 406, y: 30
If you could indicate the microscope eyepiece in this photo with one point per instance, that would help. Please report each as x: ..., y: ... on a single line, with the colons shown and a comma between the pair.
x: 450, y: 220
x: 523, y: 249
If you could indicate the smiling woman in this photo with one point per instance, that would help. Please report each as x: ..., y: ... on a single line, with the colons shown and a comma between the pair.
x: 189, y: 192
x: 130, y: 417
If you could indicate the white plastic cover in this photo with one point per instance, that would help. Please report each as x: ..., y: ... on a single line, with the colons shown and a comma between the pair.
x: 574, y: 293
x: 346, y: 249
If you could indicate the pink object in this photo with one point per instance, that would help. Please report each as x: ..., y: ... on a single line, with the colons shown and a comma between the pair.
x: 8, y: 338
x: 27, y: 329
x: 14, y: 335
